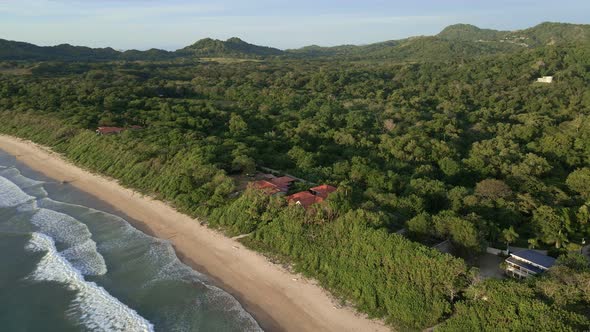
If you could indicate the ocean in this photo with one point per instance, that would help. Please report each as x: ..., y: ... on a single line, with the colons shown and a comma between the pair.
x: 69, y: 262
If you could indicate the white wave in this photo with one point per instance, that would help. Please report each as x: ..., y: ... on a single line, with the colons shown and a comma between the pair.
x: 160, y: 254
x: 15, y: 176
x: 29, y: 186
x: 81, y: 249
x: 93, y: 306
x: 11, y: 195
x: 28, y: 206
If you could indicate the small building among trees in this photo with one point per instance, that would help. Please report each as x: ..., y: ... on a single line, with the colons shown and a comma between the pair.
x: 272, y: 185
x: 527, y: 263
x: 545, y: 79
x: 312, y: 196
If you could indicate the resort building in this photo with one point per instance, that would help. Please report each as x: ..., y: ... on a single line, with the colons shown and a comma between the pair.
x: 322, y: 191
x: 273, y: 185
x: 304, y: 199
x: 314, y: 195
x: 527, y: 263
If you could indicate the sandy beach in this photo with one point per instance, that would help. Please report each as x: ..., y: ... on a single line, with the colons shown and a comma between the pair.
x: 278, y: 299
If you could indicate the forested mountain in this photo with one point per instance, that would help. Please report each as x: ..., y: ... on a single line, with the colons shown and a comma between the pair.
x: 469, y: 149
x: 543, y: 34
x: 461, y: 41
x: 13, y: 50
x: 233, y: 47
x: 456, y: 41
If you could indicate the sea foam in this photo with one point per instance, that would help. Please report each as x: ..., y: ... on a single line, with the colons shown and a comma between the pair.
x: 80, y: 249
x: 27, y: 185
x: 93, y: 307
x: 11, y: 195
x: 120, y: 236
x: 72, y: 226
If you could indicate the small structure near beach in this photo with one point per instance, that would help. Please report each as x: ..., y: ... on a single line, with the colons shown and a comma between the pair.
x: 109, y: 130
x: 314, y: 195
x: 322, y: 191
x: 272, y: 185
x: 527, y: 263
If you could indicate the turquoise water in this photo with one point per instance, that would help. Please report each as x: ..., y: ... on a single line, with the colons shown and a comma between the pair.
x: 68, y: 263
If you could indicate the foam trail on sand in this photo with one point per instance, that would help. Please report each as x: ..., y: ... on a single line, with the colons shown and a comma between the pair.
x: 93, y: 307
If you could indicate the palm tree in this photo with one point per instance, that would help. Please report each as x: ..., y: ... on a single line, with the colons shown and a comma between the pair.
x: 533, y: 243
x: 509, y: 235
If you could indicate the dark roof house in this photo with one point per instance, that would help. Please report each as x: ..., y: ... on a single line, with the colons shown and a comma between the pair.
x: 526, y: 263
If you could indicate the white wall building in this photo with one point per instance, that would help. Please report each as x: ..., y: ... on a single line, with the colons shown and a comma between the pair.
x: 545, y: 79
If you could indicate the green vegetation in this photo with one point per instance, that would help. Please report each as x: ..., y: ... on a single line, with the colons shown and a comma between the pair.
x: 548, y: 302
x: 465, y: 148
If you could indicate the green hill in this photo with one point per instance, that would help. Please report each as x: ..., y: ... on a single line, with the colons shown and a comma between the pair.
x: 233, y: 47
x: 14, y: 50
x: 455, y: 41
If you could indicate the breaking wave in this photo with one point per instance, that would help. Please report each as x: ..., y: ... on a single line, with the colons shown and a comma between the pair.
x: 79, y: 242
x: 80, y: 249
x: 11, y: 195
x: 93, y: 307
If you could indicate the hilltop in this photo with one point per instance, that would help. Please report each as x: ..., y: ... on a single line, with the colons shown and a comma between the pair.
x: 234, y: 47
x: 457, y: 41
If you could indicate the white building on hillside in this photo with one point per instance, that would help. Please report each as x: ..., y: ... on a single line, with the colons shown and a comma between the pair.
x: 545, y: 79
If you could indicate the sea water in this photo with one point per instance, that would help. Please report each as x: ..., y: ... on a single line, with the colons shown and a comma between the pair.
x: 70, y: 263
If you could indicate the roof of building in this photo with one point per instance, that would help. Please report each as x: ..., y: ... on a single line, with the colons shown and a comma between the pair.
x: 266, y: 186
x: 109, y: 130
x: 323, y: 191
x: 535, y: 257
x: 305, y: 198
x: 283, y: 180
x: 525, y: 265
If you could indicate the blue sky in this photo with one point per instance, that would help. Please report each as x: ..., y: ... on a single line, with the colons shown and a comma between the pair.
x: 142, y: 24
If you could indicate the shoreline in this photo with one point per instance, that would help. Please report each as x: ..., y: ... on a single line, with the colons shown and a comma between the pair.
x: 278, y: 299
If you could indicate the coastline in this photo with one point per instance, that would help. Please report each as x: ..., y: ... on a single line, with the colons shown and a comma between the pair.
x: 278, y: 299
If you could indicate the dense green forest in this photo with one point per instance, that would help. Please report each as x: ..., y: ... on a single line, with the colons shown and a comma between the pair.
x: 466, y: 148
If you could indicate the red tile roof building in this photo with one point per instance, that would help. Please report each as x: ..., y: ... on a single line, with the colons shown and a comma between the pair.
x: 323, y: 191
x: 266, y: 186
x: 314, y: 195
x: 109, y: 130
x: 305, y: 199
x: 274, y: 185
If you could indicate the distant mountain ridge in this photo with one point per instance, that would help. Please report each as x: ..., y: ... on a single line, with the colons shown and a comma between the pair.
x: 459, y: 40
x: 455, y: 41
